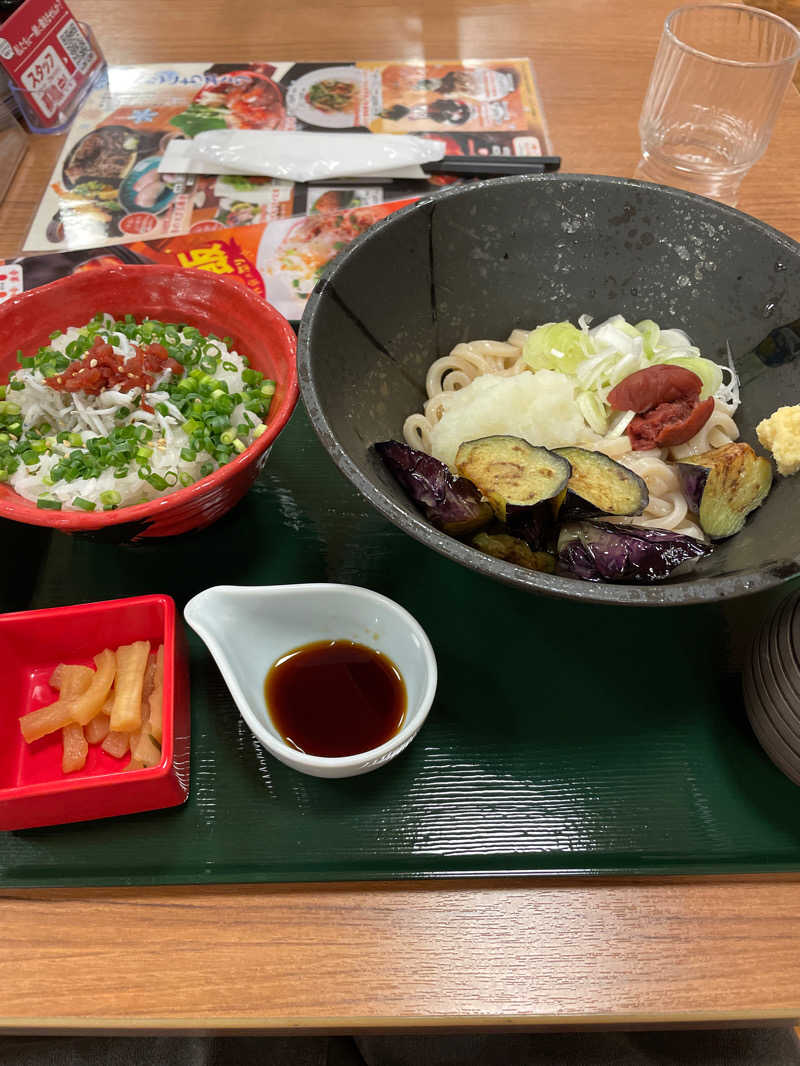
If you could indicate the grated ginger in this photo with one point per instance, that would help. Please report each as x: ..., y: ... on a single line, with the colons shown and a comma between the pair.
x: 780, y: 433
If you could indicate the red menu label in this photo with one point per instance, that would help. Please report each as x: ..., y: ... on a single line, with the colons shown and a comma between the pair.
x: 46, y: 53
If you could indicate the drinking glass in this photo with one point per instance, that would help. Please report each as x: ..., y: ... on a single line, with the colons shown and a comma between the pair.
x: 717, y: 83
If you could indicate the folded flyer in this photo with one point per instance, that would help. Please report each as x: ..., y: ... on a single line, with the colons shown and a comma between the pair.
x: 106, y: 188
x: 279, y: 260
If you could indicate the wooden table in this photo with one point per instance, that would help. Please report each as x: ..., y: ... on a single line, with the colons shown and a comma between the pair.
x: 451, y: 954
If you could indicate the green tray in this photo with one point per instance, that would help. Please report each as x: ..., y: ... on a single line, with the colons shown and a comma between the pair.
x: 563, y: 739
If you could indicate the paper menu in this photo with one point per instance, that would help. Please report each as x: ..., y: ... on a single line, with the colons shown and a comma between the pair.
x: 106, y: 188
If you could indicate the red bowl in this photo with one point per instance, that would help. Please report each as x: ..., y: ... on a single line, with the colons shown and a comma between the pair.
x: 33, y: 789
x: 211, y: 303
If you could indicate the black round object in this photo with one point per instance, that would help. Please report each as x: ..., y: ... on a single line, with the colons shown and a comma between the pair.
x: 7, y: 8
x: 478, y: 260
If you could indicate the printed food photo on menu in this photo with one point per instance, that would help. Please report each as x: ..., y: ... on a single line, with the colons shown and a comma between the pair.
x: 107, y: 186
x: 108, y: 192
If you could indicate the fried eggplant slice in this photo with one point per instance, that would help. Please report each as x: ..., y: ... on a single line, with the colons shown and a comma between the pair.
x: 450, y: 503
x: 604, y: 551
x: 723, y: 486
x: 535, y: 525
x: 598, y: 485
x: 514, y: 550
x: 512, y: 474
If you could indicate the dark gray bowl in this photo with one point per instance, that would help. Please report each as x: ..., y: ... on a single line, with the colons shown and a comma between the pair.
x: 477, y: 260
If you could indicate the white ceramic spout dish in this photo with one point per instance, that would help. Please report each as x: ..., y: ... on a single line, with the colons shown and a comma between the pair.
x: 247, y: 629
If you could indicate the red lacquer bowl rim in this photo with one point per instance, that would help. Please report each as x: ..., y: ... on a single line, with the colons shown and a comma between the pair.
x: 20, y: 509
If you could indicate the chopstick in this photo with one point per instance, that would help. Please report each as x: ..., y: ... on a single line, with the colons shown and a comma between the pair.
x: 494, y: 166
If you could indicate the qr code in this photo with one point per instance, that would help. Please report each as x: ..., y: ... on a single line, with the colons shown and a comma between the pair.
x: 76, y: 46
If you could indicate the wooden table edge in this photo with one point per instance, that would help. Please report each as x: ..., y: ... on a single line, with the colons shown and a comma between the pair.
x: 655, y: 923
x: 391, y: 1024
x: 562, y: 879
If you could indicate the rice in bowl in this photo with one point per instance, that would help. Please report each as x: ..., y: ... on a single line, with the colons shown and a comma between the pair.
x: 119, y: 412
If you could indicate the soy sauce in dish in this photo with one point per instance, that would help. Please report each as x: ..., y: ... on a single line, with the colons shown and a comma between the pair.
x: 335, y: 698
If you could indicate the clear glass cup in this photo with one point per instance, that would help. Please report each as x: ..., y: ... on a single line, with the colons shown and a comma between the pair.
x: 718, y: 80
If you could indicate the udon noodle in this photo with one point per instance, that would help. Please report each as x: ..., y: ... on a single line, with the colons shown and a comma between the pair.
x: 465, y: 362
x: 666, y: 508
